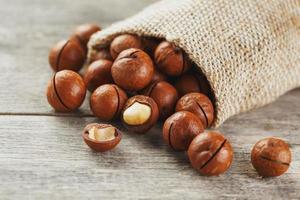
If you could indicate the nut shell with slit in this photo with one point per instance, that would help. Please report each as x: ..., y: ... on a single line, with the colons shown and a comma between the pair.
x: 67, y: 54
x: 271, y: 157
x: 165, y: 96
x: 171, y: 60
x: 97, y: 74
x: 107, y: 102
x: 200, y: 105
x: 180, y: 129
x: 210, y: 153
x: 66, y: 91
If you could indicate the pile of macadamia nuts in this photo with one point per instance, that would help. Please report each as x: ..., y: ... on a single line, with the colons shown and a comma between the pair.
x: 140, y: 80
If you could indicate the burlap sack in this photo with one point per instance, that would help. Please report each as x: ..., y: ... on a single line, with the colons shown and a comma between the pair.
x: 248, y: 49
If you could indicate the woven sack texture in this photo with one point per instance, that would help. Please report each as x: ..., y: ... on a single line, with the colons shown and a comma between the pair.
x: 249, y: 50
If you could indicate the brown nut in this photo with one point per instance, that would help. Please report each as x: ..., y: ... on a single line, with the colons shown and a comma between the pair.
x: 98, y: 73
x: 171, y: 60
x: 200, y: 105
x: 107, y: 102
x: 271, y: 157
x: 85, y: 31
x: 165, y: 96
x: 102, y: 54
x: 140, y: 113
x: 66, y: 91
x: 101, y: 137
x: 187, y: 83
x: 123, y: 42
x: 180, y: 129
x: 67, y: 54
x: 210, y: 153
x: 132, y: 70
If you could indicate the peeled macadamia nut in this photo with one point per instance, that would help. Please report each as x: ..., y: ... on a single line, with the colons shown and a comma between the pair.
x: 171, y: 60
x: 199, y: 104
x: 180, y: 129
x: 132, y: 70
x: 137, y: 114
x: 165, y: 96
x: 97, y: 74
x: 123, y: 42
x: 210, y: 153
x: 140, y: 113
x: 271, y: 157
x: 102, y: 134
x: 107, y: 102
x: 66, y: 91
x: 101, y: 137
x: 67, y: 54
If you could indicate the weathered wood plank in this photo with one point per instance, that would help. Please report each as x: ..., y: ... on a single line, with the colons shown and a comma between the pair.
x: 46, y: 157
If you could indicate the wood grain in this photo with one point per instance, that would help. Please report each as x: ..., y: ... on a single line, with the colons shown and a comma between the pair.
x: 42, y: 155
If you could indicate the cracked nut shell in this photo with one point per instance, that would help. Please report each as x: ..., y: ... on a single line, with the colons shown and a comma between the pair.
x: 200, y: 105
x: 180, y: 129
x: 97, y: 74
x: 123, y: 42
x: 171, y: 60
x: 107, y: 102
x: 67, y: 54
x: 210, y: 153
x: 105, y: 136
x: 165, y: 96
x: 66, y: 91
x: 132, y: 70
x: 140, y: 113
x: 271, y: 157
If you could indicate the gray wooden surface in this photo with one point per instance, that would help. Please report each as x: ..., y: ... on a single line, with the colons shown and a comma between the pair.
x: 42, y: 155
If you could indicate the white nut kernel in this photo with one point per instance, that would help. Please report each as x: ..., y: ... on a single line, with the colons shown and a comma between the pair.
x: 137, y: 114
x: 102, y: 134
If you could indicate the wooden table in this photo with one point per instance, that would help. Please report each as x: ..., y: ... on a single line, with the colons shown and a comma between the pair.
x: 42, y: 155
